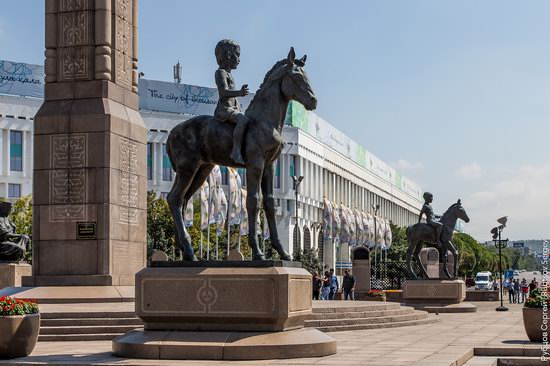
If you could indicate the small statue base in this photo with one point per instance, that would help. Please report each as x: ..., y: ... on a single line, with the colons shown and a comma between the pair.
x: 231, y: 310
x: 189, y: 345
x: 11, y: 273
x: 437, y: 295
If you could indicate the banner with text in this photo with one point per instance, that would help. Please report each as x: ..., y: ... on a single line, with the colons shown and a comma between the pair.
x: 18, y: 78
x: 323, y: 131
x: 180, y: 98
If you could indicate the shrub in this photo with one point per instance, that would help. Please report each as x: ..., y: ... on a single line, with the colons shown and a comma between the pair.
x: 537, y: 299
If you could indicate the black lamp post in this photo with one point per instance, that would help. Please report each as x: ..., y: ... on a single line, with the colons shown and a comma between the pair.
x: 500, y: 244
x: 295, y: 184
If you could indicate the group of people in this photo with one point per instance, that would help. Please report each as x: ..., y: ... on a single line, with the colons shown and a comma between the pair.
x: 518, y: 291
x: 327, y: 287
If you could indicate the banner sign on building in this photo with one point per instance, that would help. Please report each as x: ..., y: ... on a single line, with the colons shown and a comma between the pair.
x: 297, y: 116
x: 518, y: 245
x: 18, y: 78
x: 180, y: 98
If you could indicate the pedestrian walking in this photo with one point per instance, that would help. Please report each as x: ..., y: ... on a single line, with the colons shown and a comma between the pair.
x: 524, y: 290
x: 348, y: 285
x: 517, y: 289
x: 316, y: 284
x: 325, y: 290
x: 334, y: 286
x: 510, y: 285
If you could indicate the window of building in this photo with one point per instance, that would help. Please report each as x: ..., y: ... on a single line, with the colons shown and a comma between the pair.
x: 225, y: 175
x: 14, y: 190
x: 292, y: 165
x: 16, y: 151
x: 277, y: 179
x: 242, y: 173
x: 166, y: 166
x: 149, y: 161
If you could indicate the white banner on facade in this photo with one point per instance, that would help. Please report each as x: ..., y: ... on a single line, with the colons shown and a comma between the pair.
x: 323, y: 131
x: 172, y: 97
x: 17, y: 78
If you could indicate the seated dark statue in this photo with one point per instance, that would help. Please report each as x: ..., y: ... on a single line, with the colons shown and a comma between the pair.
x: 12, y: 246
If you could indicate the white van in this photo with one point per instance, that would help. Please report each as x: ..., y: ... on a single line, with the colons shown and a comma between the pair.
x: 484, y: 281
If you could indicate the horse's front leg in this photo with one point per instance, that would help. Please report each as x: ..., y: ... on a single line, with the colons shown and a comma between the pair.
x: 454, y: 252
x: 445, y: 257
x: 269, y: 209
x: 254, y: 172
x: 417, y: 250
x: 409, y: 257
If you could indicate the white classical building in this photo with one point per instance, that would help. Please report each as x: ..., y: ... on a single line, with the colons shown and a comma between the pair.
x: 333, y: 165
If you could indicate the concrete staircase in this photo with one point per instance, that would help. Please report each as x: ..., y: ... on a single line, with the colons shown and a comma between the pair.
x: 87, y: 324
x: 334, y: 316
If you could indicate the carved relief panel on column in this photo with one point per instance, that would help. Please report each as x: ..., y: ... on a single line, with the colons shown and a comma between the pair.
x: 124, y: 41
x: 75, y: 40
x: 68, y: 178
x: 128, y: 184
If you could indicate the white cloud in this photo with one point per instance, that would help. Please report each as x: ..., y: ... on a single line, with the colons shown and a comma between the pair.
x: 522, y: 194
x: 403, y: 164
x: 469, y: 171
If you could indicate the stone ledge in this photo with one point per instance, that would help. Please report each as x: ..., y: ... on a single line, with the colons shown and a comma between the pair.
x: 186, y: 345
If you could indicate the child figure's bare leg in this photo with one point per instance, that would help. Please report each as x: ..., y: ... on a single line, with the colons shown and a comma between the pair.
x: 238, y: 133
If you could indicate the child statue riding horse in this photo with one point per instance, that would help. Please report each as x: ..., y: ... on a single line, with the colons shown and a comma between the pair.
x: 434, y: 231
x: 195, y: 146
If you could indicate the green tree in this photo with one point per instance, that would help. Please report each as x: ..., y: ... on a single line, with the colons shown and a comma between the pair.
x: 310, y: 260
x: 400, y: 244
x: 21, y: 216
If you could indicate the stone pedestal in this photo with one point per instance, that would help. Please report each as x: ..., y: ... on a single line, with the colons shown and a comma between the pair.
x: 223, y: 310
x: 11, y: 274
x: 436, y: 295
x: 430, y: 260
x: 361, y: 271
x: 90, y: 183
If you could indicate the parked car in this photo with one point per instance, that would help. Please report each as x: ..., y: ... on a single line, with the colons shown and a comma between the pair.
x: 516, y: 273
x: 484, y: 281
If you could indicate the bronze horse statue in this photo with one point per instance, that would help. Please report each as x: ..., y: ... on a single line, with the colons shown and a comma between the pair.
x: 195, y: 146
x: 419, y: 233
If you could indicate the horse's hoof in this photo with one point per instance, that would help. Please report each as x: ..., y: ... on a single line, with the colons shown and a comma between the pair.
x: 286, y: 257
x: 190, y: 257
x: 258, y: 257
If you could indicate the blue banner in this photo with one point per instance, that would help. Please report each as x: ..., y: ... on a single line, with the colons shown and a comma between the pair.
x: 18, y: 78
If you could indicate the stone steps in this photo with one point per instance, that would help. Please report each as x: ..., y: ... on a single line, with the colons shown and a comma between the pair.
x: 80, y: 322
x: 101, y: 329
x: 327, y: 316
x: 369, y: 320
x: 360, y: 314
x: 340, y: 328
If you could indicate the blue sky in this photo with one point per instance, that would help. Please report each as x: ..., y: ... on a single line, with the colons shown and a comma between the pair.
x: 455, y: 94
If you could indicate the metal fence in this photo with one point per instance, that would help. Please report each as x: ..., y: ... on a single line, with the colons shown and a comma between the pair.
x: 390, y: 275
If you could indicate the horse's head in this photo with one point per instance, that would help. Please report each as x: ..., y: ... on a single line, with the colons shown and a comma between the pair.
x: 295, y: 83
x: 460, y: 212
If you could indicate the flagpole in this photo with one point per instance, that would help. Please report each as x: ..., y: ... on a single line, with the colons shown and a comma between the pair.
x: 228, y: 212
x: 208, y: 222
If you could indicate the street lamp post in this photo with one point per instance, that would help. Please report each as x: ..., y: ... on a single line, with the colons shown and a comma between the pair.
x: 500, y: 244
x: 295, y: 184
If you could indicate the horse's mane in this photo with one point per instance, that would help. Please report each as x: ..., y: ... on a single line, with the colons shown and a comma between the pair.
x: 277, y: 65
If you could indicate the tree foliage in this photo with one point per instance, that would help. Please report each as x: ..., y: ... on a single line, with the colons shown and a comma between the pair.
x: 21, y: 216
x: 161, y: 233
x: 310, y: 260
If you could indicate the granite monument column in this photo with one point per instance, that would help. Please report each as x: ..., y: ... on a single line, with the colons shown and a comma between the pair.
x: 89, y: 225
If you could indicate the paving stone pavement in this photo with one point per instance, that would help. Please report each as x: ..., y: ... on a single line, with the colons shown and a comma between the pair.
x: 448, y: 342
